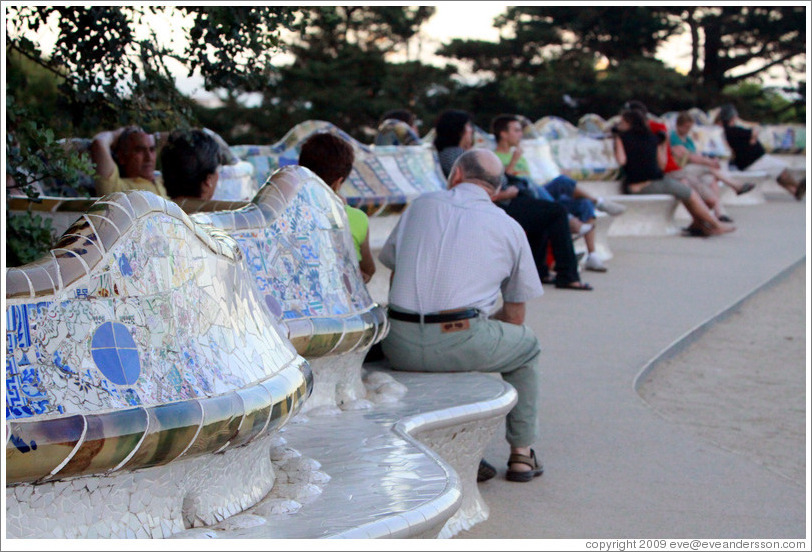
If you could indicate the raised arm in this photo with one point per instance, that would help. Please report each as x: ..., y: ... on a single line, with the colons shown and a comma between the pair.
x: 101, y: 151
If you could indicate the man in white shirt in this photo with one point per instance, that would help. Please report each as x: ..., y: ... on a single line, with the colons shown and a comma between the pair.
x: 451, y: 254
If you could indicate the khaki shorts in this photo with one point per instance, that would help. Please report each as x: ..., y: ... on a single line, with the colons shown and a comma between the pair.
x: 669, y: 186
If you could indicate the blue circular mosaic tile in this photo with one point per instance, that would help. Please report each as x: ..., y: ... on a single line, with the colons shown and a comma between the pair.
x: 115, y: 353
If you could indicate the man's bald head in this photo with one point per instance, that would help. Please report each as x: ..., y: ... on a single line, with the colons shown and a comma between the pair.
x: 477, y: 166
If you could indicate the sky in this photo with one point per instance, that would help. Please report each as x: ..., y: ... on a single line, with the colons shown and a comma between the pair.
x: 466, y: 20
x: 448, y: 23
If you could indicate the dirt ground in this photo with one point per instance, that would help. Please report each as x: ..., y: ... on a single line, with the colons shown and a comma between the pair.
x: 742, y: 384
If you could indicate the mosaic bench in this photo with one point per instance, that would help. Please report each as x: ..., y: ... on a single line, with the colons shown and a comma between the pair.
x: 144, y: 378
x: 309, y: 278
x: 297, y: 246
x: 405, y: 469
x: 292, y: 195
x: 384, y: 179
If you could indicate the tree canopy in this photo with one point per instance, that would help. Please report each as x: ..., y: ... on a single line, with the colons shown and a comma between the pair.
x: 105, y: 71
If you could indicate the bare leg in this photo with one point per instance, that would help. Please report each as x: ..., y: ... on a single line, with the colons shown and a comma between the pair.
x: 578, y: 193
x: 703, y: 218
x: 788, y: 182
x: 589, y: 237
x: 719, y: 175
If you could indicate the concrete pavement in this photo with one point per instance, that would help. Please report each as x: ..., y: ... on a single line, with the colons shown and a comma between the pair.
x: 613, y: 467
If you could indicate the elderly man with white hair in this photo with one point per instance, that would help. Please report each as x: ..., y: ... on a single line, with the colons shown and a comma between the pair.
x: 451, y: 254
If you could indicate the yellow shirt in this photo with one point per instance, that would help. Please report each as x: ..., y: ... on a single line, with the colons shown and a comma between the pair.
x: 114, y: 183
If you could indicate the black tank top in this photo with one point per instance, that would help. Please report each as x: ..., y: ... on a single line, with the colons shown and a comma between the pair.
x: 641, y: 157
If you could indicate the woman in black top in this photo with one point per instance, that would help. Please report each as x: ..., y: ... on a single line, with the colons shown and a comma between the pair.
x: 643, y: 155
x: 749, y: 154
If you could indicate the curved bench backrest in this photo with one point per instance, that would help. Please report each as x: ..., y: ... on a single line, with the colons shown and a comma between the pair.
x: 296, y: 242
x: 141, y: 337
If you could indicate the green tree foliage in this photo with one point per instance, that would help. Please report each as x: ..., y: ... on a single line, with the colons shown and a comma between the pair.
x: 341, y: 73
x: 106, y: 76
x: 559, y: 47
x: 740, y: 43
x: 616, y: 33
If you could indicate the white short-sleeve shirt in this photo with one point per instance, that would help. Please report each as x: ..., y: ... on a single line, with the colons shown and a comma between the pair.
x: 456, y: 249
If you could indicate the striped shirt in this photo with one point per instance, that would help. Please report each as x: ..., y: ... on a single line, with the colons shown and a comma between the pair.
x: 456, y: 249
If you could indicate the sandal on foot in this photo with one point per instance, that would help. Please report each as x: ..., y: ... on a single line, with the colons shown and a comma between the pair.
x: 485, y: 471
x: 693, y: 232
x: 746, y: 187
x: 580, y: 286
x: 800, y: 191
x: 535, y: 470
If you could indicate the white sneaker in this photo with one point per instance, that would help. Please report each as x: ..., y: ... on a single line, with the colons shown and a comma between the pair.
x: 584, y: 230
x: 594, y: 264
x: 610, y: 207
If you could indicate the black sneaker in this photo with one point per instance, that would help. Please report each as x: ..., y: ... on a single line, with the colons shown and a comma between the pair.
x: 485, y: 472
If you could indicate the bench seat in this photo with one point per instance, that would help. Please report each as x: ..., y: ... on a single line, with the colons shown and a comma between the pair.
x: 403, y: 469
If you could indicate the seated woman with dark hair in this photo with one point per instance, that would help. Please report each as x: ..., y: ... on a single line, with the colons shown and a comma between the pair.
x: 749, y: 154
x: 643, y: 155
x: 454, y: 135
x: 331, y: 158
x: 545, y: 222
x: 189, y: 162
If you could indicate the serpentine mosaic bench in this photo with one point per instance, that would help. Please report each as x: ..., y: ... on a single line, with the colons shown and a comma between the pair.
x: 405, y: 469
x: 155, y: 428
x: 384, y: 179
x: 296, y: 244
x: 144, y: 378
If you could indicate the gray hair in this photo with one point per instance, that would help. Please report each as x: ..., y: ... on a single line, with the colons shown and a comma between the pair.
x: 472, y: 169
x: 727, y: 113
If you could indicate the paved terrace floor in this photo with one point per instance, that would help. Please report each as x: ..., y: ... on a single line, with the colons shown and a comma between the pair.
x: 613, y: 467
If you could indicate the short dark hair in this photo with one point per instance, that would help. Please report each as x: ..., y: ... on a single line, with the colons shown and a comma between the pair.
x: 400, y: 114
x: 187, y: 159
x: 329, y: 156
x: 501, y: 123
x: 727, y: 113
x: 450, y: 127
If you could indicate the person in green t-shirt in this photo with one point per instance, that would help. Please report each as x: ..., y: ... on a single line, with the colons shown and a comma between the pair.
x: 331, y: 158
x: 507, y: 129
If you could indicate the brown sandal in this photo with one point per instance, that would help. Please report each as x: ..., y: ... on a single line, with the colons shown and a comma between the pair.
x: 536, y: 469
x: 800, y: 191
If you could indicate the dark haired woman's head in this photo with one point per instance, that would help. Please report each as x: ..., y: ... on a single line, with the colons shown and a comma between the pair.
x: 634, y: 120
x: 329, y: 156
x: 451, y: 127
x: 189, y: 162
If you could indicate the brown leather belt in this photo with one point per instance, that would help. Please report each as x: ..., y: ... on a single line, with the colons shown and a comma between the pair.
x: 435, y: 318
